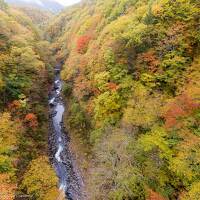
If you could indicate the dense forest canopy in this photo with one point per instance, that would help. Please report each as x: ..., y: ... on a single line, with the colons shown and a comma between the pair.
x: 25, y: 62
x: 131, y: 82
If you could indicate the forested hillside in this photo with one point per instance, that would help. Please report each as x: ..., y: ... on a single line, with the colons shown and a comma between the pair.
x: 45, y: 5
x: 25, y: 63
x: 38, y: 17
x: 132, y: 84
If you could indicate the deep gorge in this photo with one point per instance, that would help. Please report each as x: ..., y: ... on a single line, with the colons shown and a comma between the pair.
x: 118, y: 119
x: 70, y: 179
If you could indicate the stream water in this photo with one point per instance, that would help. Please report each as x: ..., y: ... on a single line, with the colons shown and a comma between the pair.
x: 70, y: 181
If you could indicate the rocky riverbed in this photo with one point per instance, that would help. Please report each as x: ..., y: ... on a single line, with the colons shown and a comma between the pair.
x: 70, y: 181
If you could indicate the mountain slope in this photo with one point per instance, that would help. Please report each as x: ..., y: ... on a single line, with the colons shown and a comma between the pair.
x: 39, y: 17
x: 131, y: 79
x: 24, y: 64
x: 49, y: 5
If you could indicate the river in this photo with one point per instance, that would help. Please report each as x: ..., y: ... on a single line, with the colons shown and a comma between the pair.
x: 70, y: 181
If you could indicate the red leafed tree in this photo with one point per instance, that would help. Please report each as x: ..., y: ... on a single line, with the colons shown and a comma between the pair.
x: 150, y: 59
x: 182, y: 106
x: 82, y: 44
x: 31, y: 120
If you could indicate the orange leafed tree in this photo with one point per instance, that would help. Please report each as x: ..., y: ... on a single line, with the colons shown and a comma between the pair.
x: 82, y: 44
x: 154, y: 196
x: 113, y: 86
x: 15, y: 105
x: 31, y: 120
x: 7, y: 189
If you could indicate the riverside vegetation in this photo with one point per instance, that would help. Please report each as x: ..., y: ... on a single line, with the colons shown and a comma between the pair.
x: 131, y: 80
x: 25, y: 66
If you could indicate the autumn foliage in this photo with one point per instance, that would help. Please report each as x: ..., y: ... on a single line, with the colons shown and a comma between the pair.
x: 24, y: 59
x: 113, y: 86
x: 181, y: 107
x: 6, y: 188
x: 150, y: 59
x: 155, y: 196
x: 15, y: 108
x: 31, y: 120
x: 82, y: 43
x: 132, y: 69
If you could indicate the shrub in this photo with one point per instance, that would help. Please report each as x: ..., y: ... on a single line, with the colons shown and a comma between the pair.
x: 67, y: 89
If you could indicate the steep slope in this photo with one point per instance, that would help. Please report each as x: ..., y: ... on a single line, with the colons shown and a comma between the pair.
x: 131, y: 73
x: 39, y: 17
x: 24, y: 64
x: 49, y: 5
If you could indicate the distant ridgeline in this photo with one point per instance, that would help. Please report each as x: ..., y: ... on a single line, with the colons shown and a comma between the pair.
x: 25, y: 62
x: 132, y: 80
x: 48, y: 5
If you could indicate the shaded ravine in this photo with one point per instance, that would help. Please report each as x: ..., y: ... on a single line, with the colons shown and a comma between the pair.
x: 61, y: 158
